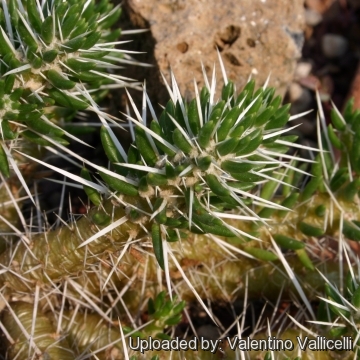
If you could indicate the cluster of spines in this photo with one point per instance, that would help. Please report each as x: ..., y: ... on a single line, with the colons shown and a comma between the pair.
x: 207, y: 155
x: 53, y: 54
x: 339, y: 310
x: 203, y: 181
x: 337, y: 177
x: 58, y: 40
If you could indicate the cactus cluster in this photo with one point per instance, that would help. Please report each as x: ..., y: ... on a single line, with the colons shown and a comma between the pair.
x: 211, y: 202
x: 51, y: 53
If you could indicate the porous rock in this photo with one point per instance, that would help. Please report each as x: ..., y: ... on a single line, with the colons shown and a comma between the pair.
x: 254, y: 37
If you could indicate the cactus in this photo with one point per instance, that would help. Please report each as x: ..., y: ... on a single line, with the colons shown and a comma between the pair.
x: 51, y: 55
x: 210, y: 202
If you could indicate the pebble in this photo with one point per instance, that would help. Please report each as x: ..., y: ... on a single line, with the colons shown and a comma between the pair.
x: 334, y: 45
x: 312, y: 17
x: 300, y: 98
x: 303, y: 69
x: 209, y: 332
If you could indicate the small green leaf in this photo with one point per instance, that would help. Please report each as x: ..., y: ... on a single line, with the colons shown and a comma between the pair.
x: 261, y: 254
x: 339, y: 179
x: 121, y: 186
x: 43, y: 127
x: 237, y: 131
x: 269, y: 188
x: 50, y: 55
x: 355, y: 152
x: 73, y: 44
x: 157, y: 246
x: 249, y: 88
x: 4, y: 164
x: 276, y: 102
x: 216, y: 186
x: 205, y: 134
x: 144, y: 147
x: 80, y: 65
x: 59, y: 80
x: 193, y: 117
x: 47, y: 30
x: 264, y: 116
x: 280, y: 118
x: 310, y: 188
x: 238, y: 167
x: 310, y: 230
x: 305, y: 260
x: 348, y: 111
x: 26, y: 36
x: 174, y: 320
x: 350, y: 190
x: 155, y: 127
x: 165, y: 121
x: 161, y: 216
x: 88, y: 76
x: 170, y: 222
x: 351, y: 230
x: 216, y: 229
x: 70, y: 21
x: 111, y: 151
x: 156, y: 179
x: 228, y: 91
x: 288, y: 242
x: 289, y: 203
x: 335, y: 141
x: 67, y: 100
x: 252, y: 142
x: 181, y: 142
x: 111, y: 19
x: 257, y: 104
x: 227, y: 124
x: 351, y: 284
x: 92, y: 194
x: 33, y: 15
x: 101, y: 219
x: 247, y: 177
x: 94, y: 55
x: 356, y: 298
x: 4, y: 46
x: 204, y: 162
x: 37, y: 139
x: 337, y: 120
x: 320, y: 210
x: 5, y: 131
x: 268, y: 356
x: 227, y: 146
x: 217, y: 112
x: 91, y: 40
x: 337, y: 332
x: 9, y: 83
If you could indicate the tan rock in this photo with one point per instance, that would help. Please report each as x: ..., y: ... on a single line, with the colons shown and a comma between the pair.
x: 258, y: 37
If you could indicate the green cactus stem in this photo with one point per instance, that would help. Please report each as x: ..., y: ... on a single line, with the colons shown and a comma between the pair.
x: 52, y: 56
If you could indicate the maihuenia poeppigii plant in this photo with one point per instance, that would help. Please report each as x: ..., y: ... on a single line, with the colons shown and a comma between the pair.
x: 162, y: 314
x: 53, y: 54
x: 211, y: 187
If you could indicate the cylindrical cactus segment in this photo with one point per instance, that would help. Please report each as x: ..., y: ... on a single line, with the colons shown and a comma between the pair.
x: 33, y: 336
